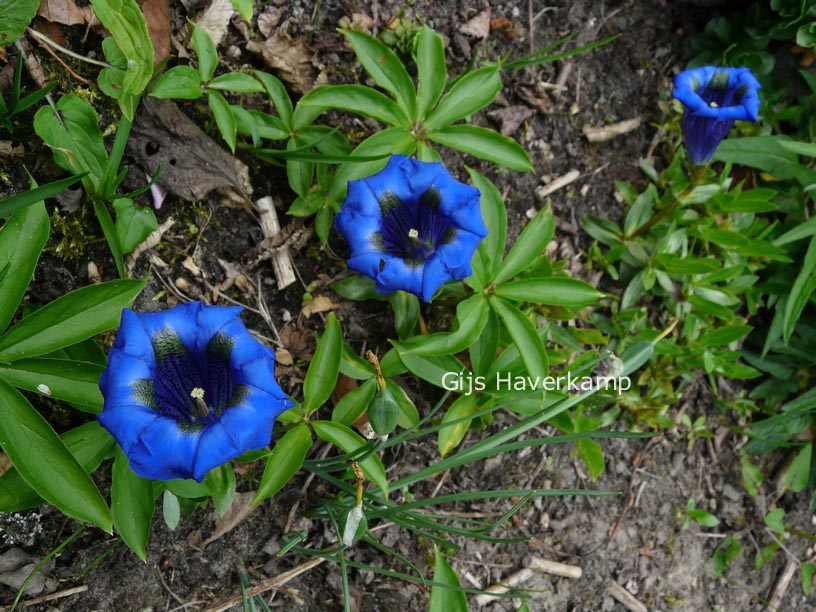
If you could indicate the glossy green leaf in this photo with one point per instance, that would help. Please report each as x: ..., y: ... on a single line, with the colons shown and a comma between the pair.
x: 133, y: 223
x: 471, y: 317
x: 220, y: 482
x: 484, y: 144
x: 72, y: 381
x: 450, y: 436
x: 187, y: 488
x: 798, y: 474
x: 224, y: 118
x: 448, y: 598
x: 132, y: 504
x: 15, y: 15
x: 552, y: 291
x: 724, y: 335
x: 46, y: 464
x: 171, y: 510
x: 431, y: 70
x: 357, y: 99
x: 109, y: 230
x: 636, y: 355
x: 406, y: 312
x: 349, y: 442
x: 802, y: 291
x: 808, y: 570
x: 90, y: 444
x: 236, y: 82
x: 356, y: 288
x: 524, y: 336
x: 206, y: 53
x: 324, y: 368
x: 244, y: 8
x: 383, y: 65
x: 408, y: 414
x: 532, y: 241
x: 490, y: 252
x: 483, y: 350
x: 472, y: 92
x: 22, y: 239
x: 278, y: 94
x: 431, y: 368
x: 592, y: 456
x: 286, y: 459
x: 69, y: 319
x: 180, y: 83
x: 353, y: 404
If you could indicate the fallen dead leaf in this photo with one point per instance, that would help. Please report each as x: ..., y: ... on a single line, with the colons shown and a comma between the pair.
x: 192, y: 165
x: 537, y: 98
x: 238, y: 511
x: 319, y: 304
x: 15, y: 567
x: 344, y: 386
x: 215, y: 20
x: 511, y: 118
x: 9, y: 150
x: 65, y: 12
x: 291, y: 59
x: 299, y: 342
x: 269, y: 19
x: 5, y: 463
x: 284, y: 357
x: 608, y: 132
x: 157, y: 16
x: 478, y: 26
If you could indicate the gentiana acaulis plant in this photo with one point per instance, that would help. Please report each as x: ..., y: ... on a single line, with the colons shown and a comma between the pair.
x: 411, y: 227
x: 714, y: 98
x: 187, y: 390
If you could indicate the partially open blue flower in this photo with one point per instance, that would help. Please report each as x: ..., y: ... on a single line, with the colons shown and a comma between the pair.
x: 188, y: 389
x: 411, y: 226
x: 714, y: 98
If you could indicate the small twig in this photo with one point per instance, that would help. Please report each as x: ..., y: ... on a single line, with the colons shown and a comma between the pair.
x: 791, y: 556
x: 625, y: 597
x: 781, y: 586
x: 51, y: 596
x: 497, y: 589
x: 42, y: 37
x: 546, y: 566
x: 559, y: 183
x: 53, y: 54
x: 169, y: 590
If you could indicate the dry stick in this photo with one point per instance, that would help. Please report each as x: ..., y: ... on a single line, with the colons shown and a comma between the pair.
x: 53, y: 54
x: 497, y: 589
x: 782, y: 585
x: 626, y: 598
x: 546, y: 566
x: 281, y: 259
x: 559, y: 183
x: 51, y: 596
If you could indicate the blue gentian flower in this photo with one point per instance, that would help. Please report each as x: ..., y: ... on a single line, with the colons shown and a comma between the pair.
x: 714, y: 98
x: 411, y: 226
x: 187, y: 390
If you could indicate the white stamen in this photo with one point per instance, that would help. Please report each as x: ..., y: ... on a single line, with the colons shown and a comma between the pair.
x: 197, y: 393
x: 713, y: 104
x: 413, y: 234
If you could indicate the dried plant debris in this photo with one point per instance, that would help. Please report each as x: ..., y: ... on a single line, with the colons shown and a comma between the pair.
x: 608, y: 132
x: 478, y: 26
x: 192, y: 165
x: 157, y: 16
x: 16, y: 565
x: 215, y: 20
x: 292, y: 60
x: 65, y: 12
x: 511, y: 118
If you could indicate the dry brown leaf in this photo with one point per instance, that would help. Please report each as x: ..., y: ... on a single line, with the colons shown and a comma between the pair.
x: 9, y: 150
x: 65, y: 12
x: 299, y: 342
x: 215, y: 20
x: 478, y: 27
x: 5, y: 463
x: 319, y: 304
x: 269, y: 19
x: 192, y: 164
x: 291, y: 59
x: 157, y: 16
x: 344, y: 385
x: 511, y: 118
x: 238, y: 511
x: 284, y: 357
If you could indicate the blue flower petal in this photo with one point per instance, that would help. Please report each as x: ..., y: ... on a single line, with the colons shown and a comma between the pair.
x: 117, y: 379
x: 165, y: 451
x: 461, y: 204
x: 180, y: 319
x: 215, y: 447
x: 421, y: 176
x: 390, y: 180
x: 127, y: 422
x: 133, y: 338
x: 398, y: 275
x: 210, y: 320
x: 359, y: 229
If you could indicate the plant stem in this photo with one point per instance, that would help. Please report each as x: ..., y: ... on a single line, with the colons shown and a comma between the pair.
x: 697, y: 174
x: 68, y: 52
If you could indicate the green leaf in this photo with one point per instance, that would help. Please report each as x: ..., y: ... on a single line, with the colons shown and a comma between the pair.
x: 449, y: 598
x: 484, y: 144
x: 431, y: 70
x: 132, y: 504
x: 46, y: 464
x: 383, y: 65
x: 430, y: 369
x: 278, y: 94
x: 356, y: 288
x: 206, y: 53
x: 592, y: 456
x: 406, y: 312
x: 357, y: 99
x: 802, y: 230
x: 775, y: 520
x: 124, y: 20
x: 383, y: 412
x: 70, y: 319
x: 483, y: 350
x: 15, y: 15
x: 64, y: 379
x: 109, y: 230
x: 772, y: 154
x: 807, y: 577
x: 22, y: 239
x: 471, y: 317
x: 636, y: 355
x: 180, y: 83
x: 88, y: 443
x: 133, y: 223
x: 224, y: 118
x: 349, y: 442
x: 725, y: 552
x: 244, y: 8
x: 524, y: 336
x: 801, y: 292
x: 220, y: 482
x: 751, y: 476
x: 324, y: 368
x: 490, y: 252
x: 27, y: 198
x: 724, y: 335
x: 799, y: 472
x: 171, y: 511
x: 408, y: 414
x: 472, y: 92
x: 236, y: 82
x: 450, y: 436
x: 187, y: 488
x: 353, y: 404
x: 286, y: 459
x: 533, y: 239
x: 552, y: 291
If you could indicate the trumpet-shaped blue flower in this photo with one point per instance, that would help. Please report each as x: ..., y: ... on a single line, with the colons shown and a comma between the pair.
x: 714, y: 98
x: 188, y: 389
x: 411, y: 226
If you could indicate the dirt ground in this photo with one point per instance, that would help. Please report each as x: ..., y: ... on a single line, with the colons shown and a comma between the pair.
x: 634, y: 539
